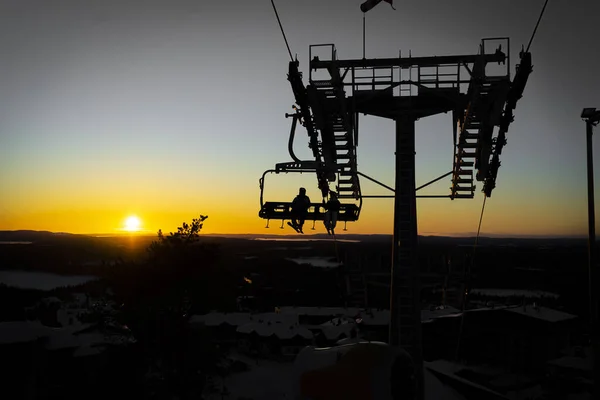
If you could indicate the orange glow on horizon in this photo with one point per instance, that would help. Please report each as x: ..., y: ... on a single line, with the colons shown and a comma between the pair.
x: 435, y: 217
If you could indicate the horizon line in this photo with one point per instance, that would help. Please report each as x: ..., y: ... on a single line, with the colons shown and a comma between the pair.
x: 147, y: 233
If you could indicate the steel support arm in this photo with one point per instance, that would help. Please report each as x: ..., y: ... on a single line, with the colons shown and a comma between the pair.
x: 407, y: 62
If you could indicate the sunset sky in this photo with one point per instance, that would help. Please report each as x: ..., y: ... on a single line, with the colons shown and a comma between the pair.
x: 170, y: 109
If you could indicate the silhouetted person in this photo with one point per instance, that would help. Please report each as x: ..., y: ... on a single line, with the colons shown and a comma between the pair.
x: 300, y: 207
x: 331, y: 215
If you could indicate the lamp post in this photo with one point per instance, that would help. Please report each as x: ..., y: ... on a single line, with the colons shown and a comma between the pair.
x: 591, y: 116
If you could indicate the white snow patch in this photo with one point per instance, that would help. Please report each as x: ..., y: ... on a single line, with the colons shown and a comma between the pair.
x: 530, y: 294
x: 216, y: 319
x: 576, y: 363
x: 280, y: 330
x: 321, y: 311
x: 265, y: 380
x: 42, y: 280
x: 22, y: 331
x: 436, y: 390
x: 450, y: 369
x: 85, y: 351
x: 320, y: 262
x: 544, y: 313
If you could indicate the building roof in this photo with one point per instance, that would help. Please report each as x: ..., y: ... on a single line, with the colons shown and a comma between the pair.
x: 428, y: 315
x: 277, y: 329
x: 319, y: 262
x: 449, y: 369
x: 290, y: 315
x: 530, y: 294
x: 333, y: 331
x: 217, y: 318
x: 238, y: 319
x: 542, y: 313
x: 321, y: 311
x: 570, y: 362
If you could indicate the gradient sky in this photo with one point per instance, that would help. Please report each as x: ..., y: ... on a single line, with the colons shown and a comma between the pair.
x: 171, y: 109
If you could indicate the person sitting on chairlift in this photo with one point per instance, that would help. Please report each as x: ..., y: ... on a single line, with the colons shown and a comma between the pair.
x: 331, y: 215
x: 300, y: 207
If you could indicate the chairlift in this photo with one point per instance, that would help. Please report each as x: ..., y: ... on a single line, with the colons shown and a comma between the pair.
x: 328, y: 149
x: 281, y: 210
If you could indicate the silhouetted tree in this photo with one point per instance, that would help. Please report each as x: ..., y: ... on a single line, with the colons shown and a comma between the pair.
x: 181, y: 276
x: 186, y: 235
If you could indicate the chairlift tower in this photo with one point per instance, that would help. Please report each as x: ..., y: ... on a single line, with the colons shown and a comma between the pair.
x: 403, y: 89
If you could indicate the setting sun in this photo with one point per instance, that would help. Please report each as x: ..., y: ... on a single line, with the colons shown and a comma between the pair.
x: 132, y: 224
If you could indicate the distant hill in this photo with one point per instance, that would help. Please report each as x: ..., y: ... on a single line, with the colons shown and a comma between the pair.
x: 432, y: 240
x: 36, y: 236
x: 30, y: 236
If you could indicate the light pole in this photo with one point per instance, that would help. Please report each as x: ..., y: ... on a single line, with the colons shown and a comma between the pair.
x: 591, y: 116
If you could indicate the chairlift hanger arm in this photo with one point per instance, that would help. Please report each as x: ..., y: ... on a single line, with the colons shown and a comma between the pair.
x: 524, y: 69
x: 407, y: 62
x: 295, y: 118
x: 301, y: 94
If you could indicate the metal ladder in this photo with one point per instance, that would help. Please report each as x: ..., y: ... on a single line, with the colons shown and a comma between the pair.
x: 339, y: 120
x: 466, y: 149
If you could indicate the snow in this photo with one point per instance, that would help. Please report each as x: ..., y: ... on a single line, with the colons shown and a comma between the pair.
x: 531, y: 294
x: 69, y: 316
x: 280, y: 330
x: 71, y: 337
x: 290, y: 316
x: 289, y: 319
x: 319, y: 262
x: 321, y: 311
x: 579, y: 396
x: 543, y: 313
x: 338, y: 321
x: 351, y: 341
x: 375, y: 318
x: 427, y: 315
x: 578, y: 363
x: 41, y: 280
x: 12, y: 332
x: 80, y: 299
x: 505, y: 381
x: 59, y: 340
x: 266, y: 380
x: 450, y: 369
x: 332, y: 332
x: 436, y: 390
x: 238, y: 319
x: 216, y: 319
x: 85, y: 351
x: 528, y: 393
